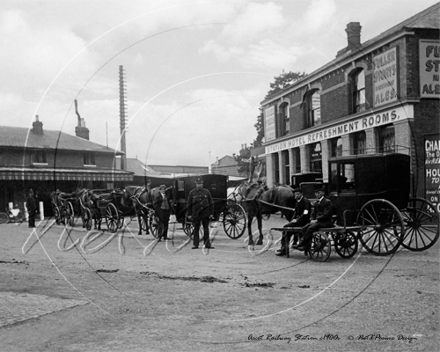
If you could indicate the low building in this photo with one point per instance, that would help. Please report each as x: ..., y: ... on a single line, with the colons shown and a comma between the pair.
x: 226, y: 165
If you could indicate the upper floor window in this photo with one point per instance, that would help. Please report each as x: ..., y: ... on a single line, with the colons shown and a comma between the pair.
x: 284, y: 119
x: 89, y: 159
x: 313, y: 104
x: 39, y: 157
x: 358, y: 89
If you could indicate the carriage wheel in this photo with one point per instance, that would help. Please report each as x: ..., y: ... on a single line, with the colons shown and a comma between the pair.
x: 69, y: 215
x: 4, y: 218
x: 421, y: 220
x: 111, y: 217
x: 87, y: 219
x: 153, y: 223
x: 320, y: 247
x: 382, y: 227
x: 144, y: 221
x: 346, y: 244
x: 234, y: 220
x: 57, y: 215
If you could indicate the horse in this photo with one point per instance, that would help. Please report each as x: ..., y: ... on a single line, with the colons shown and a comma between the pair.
x: 141, y: 201
x: 258, y: 200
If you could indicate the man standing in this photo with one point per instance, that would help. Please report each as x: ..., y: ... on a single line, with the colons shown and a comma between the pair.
x: 301, y: 218
x: 200, y: 208
x: 321, y: 217
x: 163, y: 207
x: 31, y: 207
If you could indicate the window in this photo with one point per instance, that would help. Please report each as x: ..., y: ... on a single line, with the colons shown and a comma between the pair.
x: 285, y: 156
x: 39, y: 157
x: 359, y: 143
x: 336, y: 147
x: 342, y: 176
x: 276, y: 168
x: 386, y: 138
x: 316, y: 157
x: 313, y: 103
x: 358, y: 89
x: 297, y: 160
x: 284, y: 119
x: 89, y: 159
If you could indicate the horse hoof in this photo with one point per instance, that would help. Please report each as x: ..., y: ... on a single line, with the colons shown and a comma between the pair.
x: 259, y: 242
x: 251, y: 243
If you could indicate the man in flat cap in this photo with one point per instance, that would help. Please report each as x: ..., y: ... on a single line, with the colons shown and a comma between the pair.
x: 300, y: 219
x: 163, y: 206
x: 321, y: 217
x: 200, y: 208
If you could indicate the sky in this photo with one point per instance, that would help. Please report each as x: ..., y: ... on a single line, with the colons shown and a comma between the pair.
x: 195, y: 71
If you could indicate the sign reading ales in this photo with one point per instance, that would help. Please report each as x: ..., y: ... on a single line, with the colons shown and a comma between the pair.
x: 385, y: 77
x: 429, y: 59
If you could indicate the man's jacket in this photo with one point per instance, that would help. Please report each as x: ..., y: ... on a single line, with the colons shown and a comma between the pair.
x: 200, y: 204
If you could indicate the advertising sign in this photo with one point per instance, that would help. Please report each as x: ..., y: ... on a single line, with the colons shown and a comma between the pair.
x: 432, y: 169
x: 429, y: 60
x: 269, y: 123
x: 385, y: 77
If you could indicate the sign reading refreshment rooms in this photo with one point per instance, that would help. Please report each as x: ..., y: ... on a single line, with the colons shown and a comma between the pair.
x: 379, y: 119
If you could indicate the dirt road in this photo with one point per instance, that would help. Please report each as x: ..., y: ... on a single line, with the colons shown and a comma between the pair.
x: 167, y: 297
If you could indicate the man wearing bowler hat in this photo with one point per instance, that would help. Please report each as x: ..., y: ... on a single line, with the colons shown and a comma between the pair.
x: 200, y: 208
x: 321, y: 217
x: 301, y: 218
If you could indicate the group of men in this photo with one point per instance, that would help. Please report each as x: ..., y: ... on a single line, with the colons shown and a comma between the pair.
x: 310, y: 220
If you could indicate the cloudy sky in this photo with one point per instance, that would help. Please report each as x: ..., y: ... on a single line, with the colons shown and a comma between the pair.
x: 196, y: 71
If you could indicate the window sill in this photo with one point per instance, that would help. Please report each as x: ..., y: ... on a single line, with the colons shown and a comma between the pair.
x: 40, y: 164
x: 89, y: 165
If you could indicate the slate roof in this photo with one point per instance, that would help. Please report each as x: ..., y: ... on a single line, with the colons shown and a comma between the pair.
x: 23, y: 137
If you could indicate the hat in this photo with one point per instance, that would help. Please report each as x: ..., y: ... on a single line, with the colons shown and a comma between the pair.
x: 298, y: 190
x: 162, y: 188
x: 199, y: 180
x: 320, y: 189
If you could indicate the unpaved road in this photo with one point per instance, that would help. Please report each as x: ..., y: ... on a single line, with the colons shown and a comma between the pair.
x: 169, y: 297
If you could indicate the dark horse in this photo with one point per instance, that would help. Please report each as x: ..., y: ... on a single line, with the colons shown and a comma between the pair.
x: 140, y: 198
x: 258, y: 200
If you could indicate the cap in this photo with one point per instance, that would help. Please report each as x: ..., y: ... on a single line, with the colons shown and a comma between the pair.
x: 162, y: 188
x: 199, y: 180
x: 298, y: 190
x: 320, y: 189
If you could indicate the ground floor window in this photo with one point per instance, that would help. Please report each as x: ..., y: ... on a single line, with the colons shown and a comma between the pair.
x: 359, y: 140
x: 316, y: 157
x: 335, y: 147
x: 276, y: 162
x: 297, y: 160
x: 285, y: 156
x: 386, y: 138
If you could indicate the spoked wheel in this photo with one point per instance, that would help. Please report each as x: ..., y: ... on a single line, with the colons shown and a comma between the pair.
x: 4, y: 218
x: 144, y: 221
x: 320, y: 247
x: 69, y: 215
x: 112, y: 217
x: 346, y: 244
x: 234, y: 220
x: 87, y: 219
x: 382, y: 227
x: 57, y: 215
x: 421, y: 220
x: 153, y: 223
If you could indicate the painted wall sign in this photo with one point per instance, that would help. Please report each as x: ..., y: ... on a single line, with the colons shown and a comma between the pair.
x: 432, y: 169
x: 269, y: 123
x: 378, y: 119
x: 385, y: 77
x: 429, y: 60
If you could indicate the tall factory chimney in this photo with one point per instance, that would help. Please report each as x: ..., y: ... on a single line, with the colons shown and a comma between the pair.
x: 122, y: 116
x: 81, y: 130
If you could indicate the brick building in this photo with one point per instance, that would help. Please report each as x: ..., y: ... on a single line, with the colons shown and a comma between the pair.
x: 379, y: 96
x: 46, y: 160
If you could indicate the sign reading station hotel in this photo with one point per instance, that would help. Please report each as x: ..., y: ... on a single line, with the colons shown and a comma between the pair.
x: 429, y: 60
x: 269, y: 123
x: 375, y: 120
x: 385, y: 77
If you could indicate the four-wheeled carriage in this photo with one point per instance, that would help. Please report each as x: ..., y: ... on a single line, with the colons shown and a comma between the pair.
x: 62, y: 207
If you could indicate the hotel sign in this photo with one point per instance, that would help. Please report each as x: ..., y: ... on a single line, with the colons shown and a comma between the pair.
x: 269, y: 123
x: 429, y: 61
x: 385, y: 77
x: 398, y: 114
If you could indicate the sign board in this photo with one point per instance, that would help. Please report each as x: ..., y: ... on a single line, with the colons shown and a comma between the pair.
x: 432, y: 169
x: 429, y: 61
x: 269, y: 123
x: 385, y: 75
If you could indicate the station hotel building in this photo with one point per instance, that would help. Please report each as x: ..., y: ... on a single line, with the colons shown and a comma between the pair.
x: 379, y: 96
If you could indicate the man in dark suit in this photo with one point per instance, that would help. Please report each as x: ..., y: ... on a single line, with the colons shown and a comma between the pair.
x: 31, y: 206
x: 301, y: 218
x: 163, y: 206
x: 200, y: 208
x: 321, y: 217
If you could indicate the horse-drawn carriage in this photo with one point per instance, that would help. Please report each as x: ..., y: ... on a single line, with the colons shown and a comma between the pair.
x: 62, y: 207
x: 371, y: 196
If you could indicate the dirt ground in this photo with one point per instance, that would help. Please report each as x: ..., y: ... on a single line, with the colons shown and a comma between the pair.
x: 126, y: 292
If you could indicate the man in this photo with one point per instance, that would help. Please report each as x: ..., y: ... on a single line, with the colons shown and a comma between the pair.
x: 163, y: 206
x: 301, y: 218
x: 321, y: 217
x: 200, y: 208
x: 31, y: 207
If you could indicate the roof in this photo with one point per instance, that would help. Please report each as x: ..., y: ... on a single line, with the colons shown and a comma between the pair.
x: 22, y: 137
x: 140, y: 169
x: 426, y: 19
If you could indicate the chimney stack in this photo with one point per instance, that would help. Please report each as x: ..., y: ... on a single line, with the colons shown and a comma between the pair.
x: 353, y: 35
x: 81, y: 130
x: 37, y: 126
